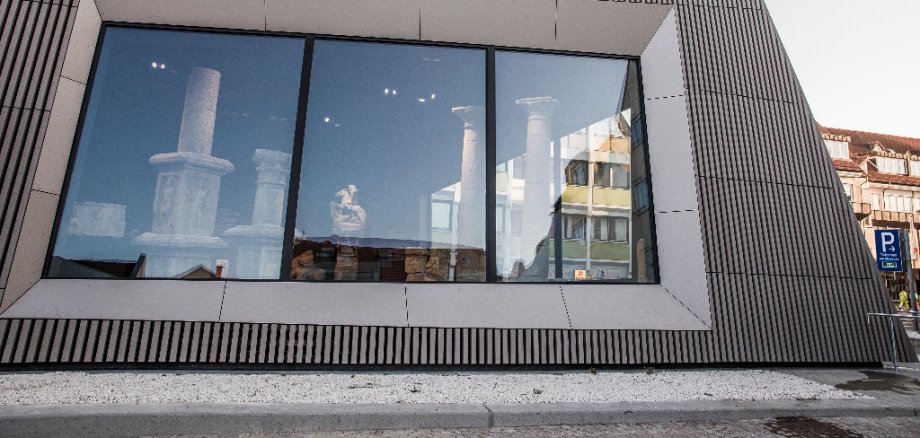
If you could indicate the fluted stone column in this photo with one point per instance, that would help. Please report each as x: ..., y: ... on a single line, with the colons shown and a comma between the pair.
x: 470, y: 226
x: 188, y: 187
x: 259, y: 244
x: 538, y: 176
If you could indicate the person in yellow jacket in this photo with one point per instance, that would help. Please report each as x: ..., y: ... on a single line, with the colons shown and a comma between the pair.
x: 903, y: 300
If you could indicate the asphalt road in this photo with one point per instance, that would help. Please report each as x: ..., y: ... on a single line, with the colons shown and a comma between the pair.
x: 888, y: 427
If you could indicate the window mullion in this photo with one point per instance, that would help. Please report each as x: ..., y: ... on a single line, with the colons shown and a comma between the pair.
x: 290, y: 221
x: 491, y: 164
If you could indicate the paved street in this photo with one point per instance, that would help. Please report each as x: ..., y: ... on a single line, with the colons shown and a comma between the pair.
x: 785, y: 427
x: 879, y: 403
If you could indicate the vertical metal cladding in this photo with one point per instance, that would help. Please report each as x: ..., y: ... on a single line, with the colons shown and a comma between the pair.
x: 33, y: 36
x: 789, y: 274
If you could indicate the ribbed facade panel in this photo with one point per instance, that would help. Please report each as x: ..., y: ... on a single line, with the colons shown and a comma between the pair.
x: 32, y: 43
x: 798, y: 328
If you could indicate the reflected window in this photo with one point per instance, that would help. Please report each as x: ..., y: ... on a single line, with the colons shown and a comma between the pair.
x: 575, y: 124
x: 183, y: 163
x: 574, y: 226
x: 395, y: 136
x: 576, y: 173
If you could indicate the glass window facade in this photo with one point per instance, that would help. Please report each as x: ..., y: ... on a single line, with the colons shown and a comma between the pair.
x: 392, y: 183
x: 183, y: 163
x: 193, y: 143
x: 574, y: 124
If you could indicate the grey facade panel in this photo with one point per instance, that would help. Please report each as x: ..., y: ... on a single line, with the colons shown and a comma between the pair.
x: 790, y: 277
x: 31, y: 56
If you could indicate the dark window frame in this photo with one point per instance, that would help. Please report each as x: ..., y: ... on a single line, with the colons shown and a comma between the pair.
x: 300, y: 133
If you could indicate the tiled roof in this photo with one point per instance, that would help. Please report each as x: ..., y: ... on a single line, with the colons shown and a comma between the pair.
x: 863, y: 141
x: 846, y: 165
x: 893, y: 178
x: 860, y: 146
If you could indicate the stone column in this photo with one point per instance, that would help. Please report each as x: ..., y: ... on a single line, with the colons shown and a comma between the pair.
x: 259, y: 244
x: 197, y: 132
x: 470, y: 226
x: 273, y: 168
x: 188, y: 188
x: 538, y: 176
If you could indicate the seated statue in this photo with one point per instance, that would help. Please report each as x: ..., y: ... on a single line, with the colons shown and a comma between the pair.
x: 348, y: 218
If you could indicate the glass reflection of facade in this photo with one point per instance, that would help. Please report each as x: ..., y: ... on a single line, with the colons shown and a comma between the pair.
x: 183, y: 162
x: 392, y: 184
x: 570, y: 148
x: 189, y: 143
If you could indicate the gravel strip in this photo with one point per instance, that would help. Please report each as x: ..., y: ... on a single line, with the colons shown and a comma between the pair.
x: 583, y: 387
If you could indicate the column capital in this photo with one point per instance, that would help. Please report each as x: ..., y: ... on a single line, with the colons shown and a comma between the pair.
x: 271, y: 159
x: 471, y: 115
x: 539, y: 106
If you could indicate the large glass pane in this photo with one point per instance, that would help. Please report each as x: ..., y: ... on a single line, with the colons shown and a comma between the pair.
x: 571, y: 177
x: 183, y: 164
x: 392, y: 186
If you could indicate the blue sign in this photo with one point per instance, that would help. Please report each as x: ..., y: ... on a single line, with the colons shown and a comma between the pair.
x: 888, y: 250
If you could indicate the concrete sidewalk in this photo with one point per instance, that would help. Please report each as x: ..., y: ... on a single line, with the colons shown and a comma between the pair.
x: 892, y: 396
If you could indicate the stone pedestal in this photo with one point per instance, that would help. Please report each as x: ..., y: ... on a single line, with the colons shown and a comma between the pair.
x: 538, y: 174
x: 470, y: 226
x: 188, y: 187
x: 259, y: 244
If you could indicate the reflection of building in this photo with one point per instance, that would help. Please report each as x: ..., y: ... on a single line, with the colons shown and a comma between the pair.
x: 596, y: 204
x: 881, y: 177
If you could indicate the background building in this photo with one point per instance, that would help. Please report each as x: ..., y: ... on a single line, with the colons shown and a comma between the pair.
x: 725, y: 263
x: 880, y: 175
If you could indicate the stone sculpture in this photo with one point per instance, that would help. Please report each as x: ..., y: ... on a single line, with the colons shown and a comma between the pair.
x: 188, y: 187
x: 97, y: 219
x: 348, y: 218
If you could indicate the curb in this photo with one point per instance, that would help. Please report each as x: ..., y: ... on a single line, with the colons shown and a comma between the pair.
x: 228, y: 419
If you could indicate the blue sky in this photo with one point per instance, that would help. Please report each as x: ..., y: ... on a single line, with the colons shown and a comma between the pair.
x: 858, y: 60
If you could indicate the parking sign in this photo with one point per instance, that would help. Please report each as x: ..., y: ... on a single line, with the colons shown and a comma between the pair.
x: 888, y: 250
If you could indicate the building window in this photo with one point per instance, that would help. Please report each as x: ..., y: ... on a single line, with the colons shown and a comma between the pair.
x: 876, y: 201
x: 838, y: 149
x: 891, y: 165
x: 572, y: 122
x: 576, y: 173
x: 614, y: 229
x: 190, y: 142
x: 376, y: 144
x: 573, y: 227
x: 848, y: 189
x: 914, y: 168
x: 441, y: 214
x: 611, y: 175
x: 183, y: 163
x: 640, y: 195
